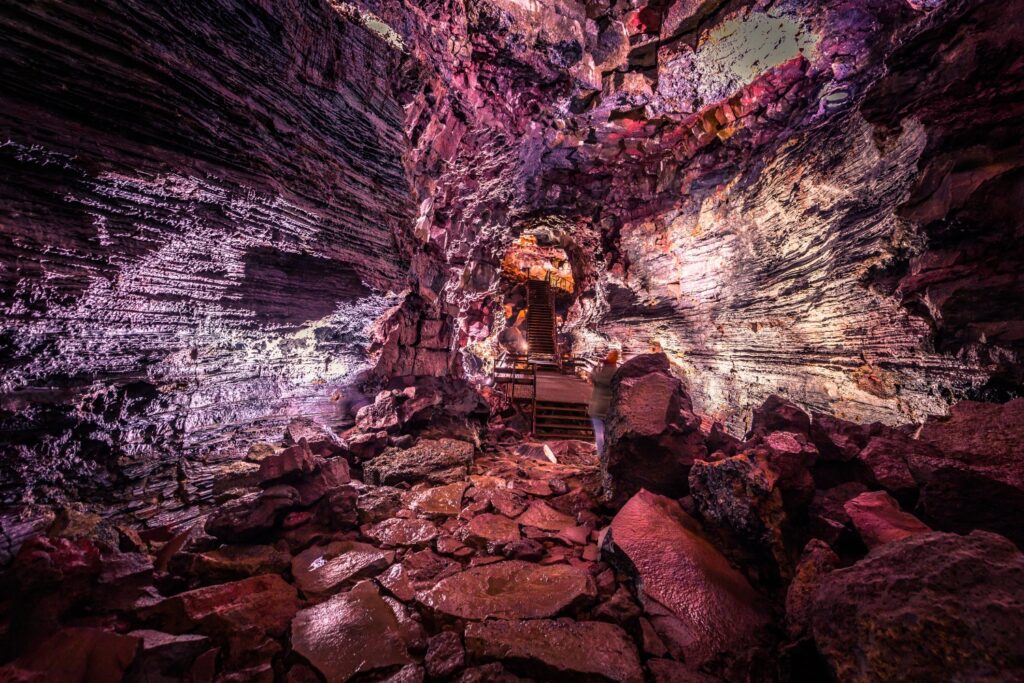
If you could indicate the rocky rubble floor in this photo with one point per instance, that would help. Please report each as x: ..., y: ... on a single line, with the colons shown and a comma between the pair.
x: 813, y: 550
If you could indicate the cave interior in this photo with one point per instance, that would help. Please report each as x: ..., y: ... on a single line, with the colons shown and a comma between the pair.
x: 512, y: 340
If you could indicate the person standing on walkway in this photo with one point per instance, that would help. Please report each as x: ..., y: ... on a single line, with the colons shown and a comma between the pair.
x: 601, y: 396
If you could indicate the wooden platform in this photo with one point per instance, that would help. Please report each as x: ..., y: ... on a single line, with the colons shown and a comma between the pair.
x: 558, y: 388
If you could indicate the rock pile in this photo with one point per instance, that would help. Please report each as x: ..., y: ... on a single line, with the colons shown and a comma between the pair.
x: 808, y: 551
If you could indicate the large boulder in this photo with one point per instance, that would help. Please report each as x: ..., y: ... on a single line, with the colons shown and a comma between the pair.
x: 698, y: 604
x: 930, y: 607
x: 76, y: 654
x: 978, y: 480
x: 557, y: 649
x: 441, y: 461
x: 653, y: 437
x: 244, y: 616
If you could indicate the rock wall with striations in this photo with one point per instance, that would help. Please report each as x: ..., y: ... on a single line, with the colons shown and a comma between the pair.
x: 203, y: 208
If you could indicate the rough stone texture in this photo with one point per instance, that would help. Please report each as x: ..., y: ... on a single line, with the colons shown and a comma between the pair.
x: 439, y: 461
x: 652, y: 434
x: 711, y: 607
x: 740, y: 495
x: 188, y: 245
x: 966, y: 595
x: 351, y: 633
x: 508, y: 590
x: 76, y: 654
x: 978, y: 480
x: 558, y: 648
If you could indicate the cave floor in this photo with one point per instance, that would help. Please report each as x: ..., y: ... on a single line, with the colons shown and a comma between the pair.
x: 491, y: 572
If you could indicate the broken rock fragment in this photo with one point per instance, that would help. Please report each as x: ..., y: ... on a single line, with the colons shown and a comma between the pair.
x: 879, y: 520
x: 512, y: 589
x: 439, y: 461
x: 553, y: 649
x: 698, y: 603
x: 319, y: 570
x: 350, y: 634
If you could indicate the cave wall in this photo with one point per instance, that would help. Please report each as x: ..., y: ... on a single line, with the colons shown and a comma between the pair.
x: 822, y: 205
x: 203, y: 208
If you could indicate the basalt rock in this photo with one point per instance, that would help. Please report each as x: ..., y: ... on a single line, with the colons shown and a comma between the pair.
x: 652, y: 435
x: 978, y: 480
x: 508, y: 590
x: 933, y: 606
x: 352, y: 633
x: 439, y: 461
x: 700, y: 606
x: 557, y: 648
x: 879, y: 520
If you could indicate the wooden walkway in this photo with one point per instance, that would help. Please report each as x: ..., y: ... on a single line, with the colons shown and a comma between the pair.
x: 558, y: 388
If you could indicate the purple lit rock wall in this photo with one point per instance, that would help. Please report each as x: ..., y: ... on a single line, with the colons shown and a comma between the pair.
x: 203, y: 208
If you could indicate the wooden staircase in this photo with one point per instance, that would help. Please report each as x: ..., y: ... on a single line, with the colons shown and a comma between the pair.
x: 541, y: 325
x: 562, y: 421
x: 542, y: 382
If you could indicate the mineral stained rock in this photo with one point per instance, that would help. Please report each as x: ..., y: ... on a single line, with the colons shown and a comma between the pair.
x: 965, y: 594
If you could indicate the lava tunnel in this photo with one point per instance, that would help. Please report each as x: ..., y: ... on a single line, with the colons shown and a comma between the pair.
x: 512, y: 340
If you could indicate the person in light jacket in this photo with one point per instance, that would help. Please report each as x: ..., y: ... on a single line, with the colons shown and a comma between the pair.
x: 601, y: 396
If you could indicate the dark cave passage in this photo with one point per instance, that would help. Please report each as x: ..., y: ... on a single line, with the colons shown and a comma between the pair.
x: 511, y: 340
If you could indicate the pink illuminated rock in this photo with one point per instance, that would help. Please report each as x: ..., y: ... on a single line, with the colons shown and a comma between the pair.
x: 490, y: 528
x: 512, y: 589
x: 76, y: 654
x: 653, y: 436
x: 558, y: 648
x: 352, y: 633
x: 706, y: 606
x: 543, y: 516
x: 932, y: 606
x: 439, y: 461
x: 879, y: 520
x: 403, y: 532
x: 320, y: 570
x: 243, y: 615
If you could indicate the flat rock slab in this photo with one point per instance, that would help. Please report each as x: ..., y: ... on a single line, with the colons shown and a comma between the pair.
x: 439, y: 501
x: 557, y: 648
x: 715, y: 610
x: 508, y: 590
x: 543, y: 516
x: 321, y: 569
x: 240, y: 561
x: 490, y: 528
x: 350, y: 634
x: 403, y: 532
x: 879, y: 520
x: 266, y: 601
x: 440, y: 461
